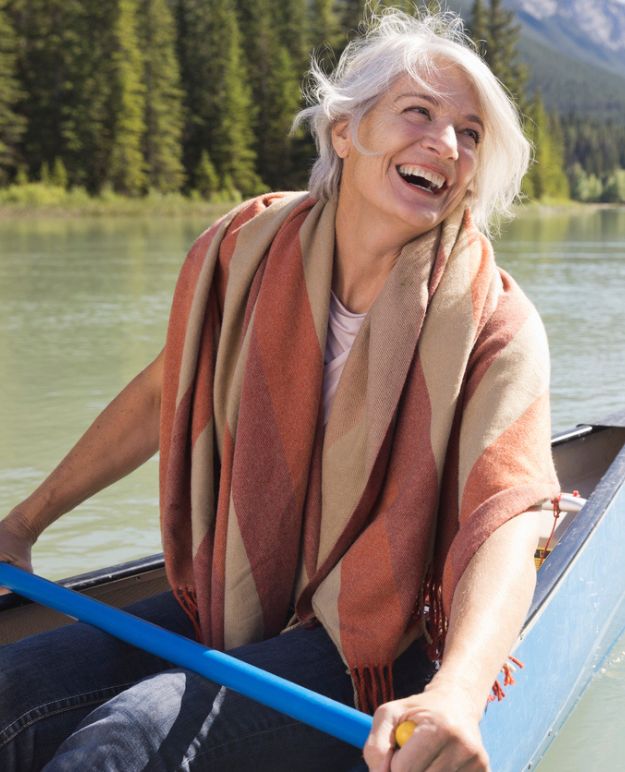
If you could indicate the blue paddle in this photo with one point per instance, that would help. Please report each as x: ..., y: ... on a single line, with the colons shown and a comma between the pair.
x: 329, y: 716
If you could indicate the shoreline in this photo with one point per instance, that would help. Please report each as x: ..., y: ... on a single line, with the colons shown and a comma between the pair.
x: 559, y: 207
x: 124, y: 208
x: 177, y: 206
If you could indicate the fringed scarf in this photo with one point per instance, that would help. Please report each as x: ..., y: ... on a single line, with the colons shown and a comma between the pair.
x: 438, y: 434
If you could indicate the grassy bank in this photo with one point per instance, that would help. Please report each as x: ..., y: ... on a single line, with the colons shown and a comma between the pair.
x: 38, y: 200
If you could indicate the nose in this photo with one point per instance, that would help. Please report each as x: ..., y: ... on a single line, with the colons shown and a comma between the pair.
x: 442, y: 139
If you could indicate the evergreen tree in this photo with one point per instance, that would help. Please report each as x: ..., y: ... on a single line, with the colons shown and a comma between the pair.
x: 614, y: 188
x: 163, y: 97
x: 477, y: 27
x: 546, y: 177
x: 275, y: 91
x: 289, y: 20
x: 218, y: 100
x: 325, y: 30
x: 233, y: 138
x: 89, y: 106
x: 44, y: 173
x: 275, y: 156
x: 58, y: 176
x: 495, y: 32
x: 12, y: 125
x: 126, y: 169
x: 206, y: 177
x: 352, y: 13
x: 585, y: 187
x: 41, y: 26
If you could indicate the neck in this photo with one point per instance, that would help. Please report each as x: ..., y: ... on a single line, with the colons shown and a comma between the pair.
x: 364, y: 257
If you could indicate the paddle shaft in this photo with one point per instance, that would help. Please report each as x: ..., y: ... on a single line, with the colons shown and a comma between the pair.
x: 338, y: 720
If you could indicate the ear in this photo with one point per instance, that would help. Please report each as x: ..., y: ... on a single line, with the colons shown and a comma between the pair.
x: 341, y: 137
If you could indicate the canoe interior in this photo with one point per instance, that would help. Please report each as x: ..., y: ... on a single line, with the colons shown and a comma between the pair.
x: 117, y: 586
x: 582, y: 457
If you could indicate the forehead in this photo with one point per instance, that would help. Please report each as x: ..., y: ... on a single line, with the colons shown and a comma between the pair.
x: 447, y: 85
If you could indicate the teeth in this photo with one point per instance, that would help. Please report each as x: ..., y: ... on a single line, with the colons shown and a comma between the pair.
x: 408, y: 170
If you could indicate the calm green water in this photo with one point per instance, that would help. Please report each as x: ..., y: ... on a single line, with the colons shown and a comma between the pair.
x: 83, y: 307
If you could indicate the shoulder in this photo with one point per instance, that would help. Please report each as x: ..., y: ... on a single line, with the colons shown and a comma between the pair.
x: 257, y: 211
x: 513, y: 331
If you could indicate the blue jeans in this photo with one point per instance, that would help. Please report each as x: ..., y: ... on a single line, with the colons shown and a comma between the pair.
x: 76, y: 699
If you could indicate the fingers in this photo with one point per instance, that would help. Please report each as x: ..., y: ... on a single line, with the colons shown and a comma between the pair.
x: 432, y: 748
x: 14, y: 561
x: 440, y: 740
x: 380, y: 745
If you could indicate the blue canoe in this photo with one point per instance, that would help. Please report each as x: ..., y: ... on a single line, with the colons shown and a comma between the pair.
x: 577, y: 614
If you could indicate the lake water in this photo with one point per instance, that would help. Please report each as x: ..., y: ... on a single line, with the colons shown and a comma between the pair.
x: 84, y: 305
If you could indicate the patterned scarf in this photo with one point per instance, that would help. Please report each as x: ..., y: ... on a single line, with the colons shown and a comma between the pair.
x: 438, y: 434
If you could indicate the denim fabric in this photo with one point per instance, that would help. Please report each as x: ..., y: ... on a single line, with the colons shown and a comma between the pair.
x: 77, y: 699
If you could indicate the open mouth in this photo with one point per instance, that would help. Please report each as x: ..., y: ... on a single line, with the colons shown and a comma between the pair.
x: 425, y: 179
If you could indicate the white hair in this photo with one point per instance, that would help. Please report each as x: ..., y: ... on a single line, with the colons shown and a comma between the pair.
x: 395, y: 44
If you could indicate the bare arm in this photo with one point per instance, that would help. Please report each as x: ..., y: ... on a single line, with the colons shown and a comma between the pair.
x: 120, y: 439
x: 488, y: 609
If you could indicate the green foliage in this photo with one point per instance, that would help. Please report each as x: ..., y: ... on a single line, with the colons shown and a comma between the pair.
x: 12, y: 125
x: 496, y: 32
x: 324, y: 26
x: 40, y: 194
x: 44, y: 173
x: 163, y: 97
x: 126, y: 166
x: 41, y: 27
x: 584, y: 186
x: 220, y: 111
x: 275, y: 89
x: 58, y: 176
x: 148, y: 96
x: 228, y: 190
x: 21, y: 176
x: 614, y: 188
x: 597, y: 146
x: 351, y: 14
x: 546, y: 177
x: 289, y: 21
x: 206, y: 177
x: 90, y: 99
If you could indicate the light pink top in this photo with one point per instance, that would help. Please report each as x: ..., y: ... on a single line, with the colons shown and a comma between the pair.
x: 343, y: 326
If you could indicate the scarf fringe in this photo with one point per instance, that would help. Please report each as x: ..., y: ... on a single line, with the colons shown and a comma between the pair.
x: 373, y: 686
x: 433, y: 613
x: 187, y: 599
x: 497, y: 692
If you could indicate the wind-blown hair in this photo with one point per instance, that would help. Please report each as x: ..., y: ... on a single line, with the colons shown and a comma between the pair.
x: 395, y: 44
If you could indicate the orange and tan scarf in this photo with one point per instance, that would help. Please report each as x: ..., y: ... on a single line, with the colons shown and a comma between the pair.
x: 438, y: 434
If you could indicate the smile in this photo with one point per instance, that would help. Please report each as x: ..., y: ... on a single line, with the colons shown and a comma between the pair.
x: 422, y: 178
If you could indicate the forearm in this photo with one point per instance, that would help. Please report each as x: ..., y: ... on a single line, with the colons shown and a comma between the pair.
x: 489, y: 606
x: 121, y: 438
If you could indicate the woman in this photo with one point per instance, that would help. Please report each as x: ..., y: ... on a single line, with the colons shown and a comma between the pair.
x: 354, y: 431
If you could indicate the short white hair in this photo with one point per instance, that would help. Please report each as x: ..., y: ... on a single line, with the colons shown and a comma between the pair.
x: 395, y: 44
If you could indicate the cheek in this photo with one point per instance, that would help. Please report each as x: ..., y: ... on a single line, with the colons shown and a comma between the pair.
x: 469, y: 170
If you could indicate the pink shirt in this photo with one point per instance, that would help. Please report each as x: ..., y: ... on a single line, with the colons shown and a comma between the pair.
x: 343, y: 326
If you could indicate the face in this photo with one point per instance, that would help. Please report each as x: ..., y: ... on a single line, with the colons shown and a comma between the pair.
x: 426, y: 154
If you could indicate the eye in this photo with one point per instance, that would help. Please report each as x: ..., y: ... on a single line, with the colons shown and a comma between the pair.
x: 474, y: 134
x: 420, y: 110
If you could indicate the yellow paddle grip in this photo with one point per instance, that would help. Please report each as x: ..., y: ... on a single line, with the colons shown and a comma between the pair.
x: 404, y: 731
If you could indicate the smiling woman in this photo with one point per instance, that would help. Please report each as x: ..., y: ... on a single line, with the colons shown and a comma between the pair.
x: 352, y: 415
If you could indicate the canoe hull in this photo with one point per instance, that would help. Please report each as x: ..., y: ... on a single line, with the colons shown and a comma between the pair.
x: 571, y: 628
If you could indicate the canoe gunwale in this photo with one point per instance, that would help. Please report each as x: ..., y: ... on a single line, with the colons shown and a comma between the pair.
x: 91, y: 579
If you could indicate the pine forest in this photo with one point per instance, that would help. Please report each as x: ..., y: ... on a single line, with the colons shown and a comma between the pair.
x: 197, y: 97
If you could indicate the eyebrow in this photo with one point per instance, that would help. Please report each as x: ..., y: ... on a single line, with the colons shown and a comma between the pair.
x: 433, y: 100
